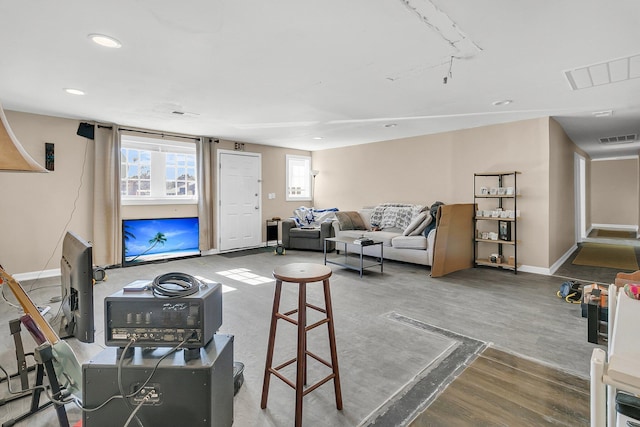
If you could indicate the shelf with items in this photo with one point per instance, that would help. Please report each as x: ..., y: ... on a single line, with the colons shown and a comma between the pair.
x: 496, y: 220
x: 504, y: 265
x: 502, y: 242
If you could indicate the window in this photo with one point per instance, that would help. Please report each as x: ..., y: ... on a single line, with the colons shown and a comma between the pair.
x: 298, y: 178
x: 156, y: 171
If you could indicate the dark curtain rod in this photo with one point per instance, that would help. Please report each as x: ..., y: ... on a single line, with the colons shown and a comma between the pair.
x: 151, y: 133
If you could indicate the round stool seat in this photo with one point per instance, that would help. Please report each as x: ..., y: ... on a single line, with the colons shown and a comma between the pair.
x: 298, y: 272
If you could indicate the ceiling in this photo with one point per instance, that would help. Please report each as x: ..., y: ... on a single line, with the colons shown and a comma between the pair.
x: 289, y: 72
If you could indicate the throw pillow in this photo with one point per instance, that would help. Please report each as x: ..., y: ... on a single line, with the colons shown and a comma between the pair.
x: 420, y: 229
x: 415, y: 223
x: 350, y: 220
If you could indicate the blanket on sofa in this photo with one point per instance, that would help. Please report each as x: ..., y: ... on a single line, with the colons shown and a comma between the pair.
x: 311, y: 217
x: 397, y: 215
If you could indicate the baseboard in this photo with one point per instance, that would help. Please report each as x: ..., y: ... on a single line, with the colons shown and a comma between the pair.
x: 535, y: 270
x: 620, y: 227
x: 34, y: 275
x: 551, y: 270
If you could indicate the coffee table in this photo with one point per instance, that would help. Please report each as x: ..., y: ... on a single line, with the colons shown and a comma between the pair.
x: 348, y: 260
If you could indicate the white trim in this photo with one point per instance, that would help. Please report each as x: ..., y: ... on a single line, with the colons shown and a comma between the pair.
x: 579, y: 186
x: 209, y: 252
x: 556, y: 265
x: 310, y: 179
x: 621, y: 227
x: 158, y: 201
x: 616, y: 158
x: 35, y: 275
x: 535, y: 270
x: 589, y: 230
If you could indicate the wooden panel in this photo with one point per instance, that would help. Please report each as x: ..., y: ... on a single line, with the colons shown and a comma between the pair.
x: 453, y: 248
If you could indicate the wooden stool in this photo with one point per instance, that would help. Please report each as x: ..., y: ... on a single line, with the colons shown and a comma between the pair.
x: 302, y: 273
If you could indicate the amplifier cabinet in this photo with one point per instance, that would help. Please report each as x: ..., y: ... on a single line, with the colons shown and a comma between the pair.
x: 183, y: 391
x: 163, y: 322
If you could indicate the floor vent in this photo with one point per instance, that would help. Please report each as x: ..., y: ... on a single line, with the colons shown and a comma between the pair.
x: 622, y: 139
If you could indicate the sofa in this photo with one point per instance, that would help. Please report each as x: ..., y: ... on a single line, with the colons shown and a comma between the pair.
x: 441, y: 236
x: 307, y: 229
x: 407, y: 231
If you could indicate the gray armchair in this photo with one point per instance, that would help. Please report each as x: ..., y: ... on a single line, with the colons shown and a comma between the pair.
x: 309, y: 239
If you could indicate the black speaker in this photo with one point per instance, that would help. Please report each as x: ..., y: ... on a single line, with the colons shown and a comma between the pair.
x: 86, y: 130
x: 171, y: 390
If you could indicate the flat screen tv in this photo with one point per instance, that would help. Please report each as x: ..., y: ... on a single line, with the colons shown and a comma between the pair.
x: 76, y: 266
x: 159, y: 239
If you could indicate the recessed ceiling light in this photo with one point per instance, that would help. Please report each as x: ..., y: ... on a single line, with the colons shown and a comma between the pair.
x: 317, y: 137
x: 391, y: 125
x: 606, y: 113
x: 74, y: 91
x: 105, y: 41
x: 503, y: 102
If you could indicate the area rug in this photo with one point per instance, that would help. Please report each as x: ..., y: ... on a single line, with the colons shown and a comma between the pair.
x: 609, y: 256
x: 621, y: 234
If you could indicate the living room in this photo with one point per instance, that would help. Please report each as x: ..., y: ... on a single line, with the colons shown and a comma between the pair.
x: 378, y: 125
x: 426, y: 170
x: 357, y: 166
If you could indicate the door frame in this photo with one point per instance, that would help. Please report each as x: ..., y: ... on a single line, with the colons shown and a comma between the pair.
x: 218, y: 202
x: 580, y: 185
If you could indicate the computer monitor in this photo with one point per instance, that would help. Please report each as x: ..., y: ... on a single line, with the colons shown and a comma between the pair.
x: 76, y: 267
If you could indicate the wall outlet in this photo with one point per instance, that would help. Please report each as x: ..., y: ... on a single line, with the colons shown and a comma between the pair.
x: 272, y: 196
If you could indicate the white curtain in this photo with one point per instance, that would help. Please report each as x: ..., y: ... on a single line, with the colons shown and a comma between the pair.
x: 107, y: 229
x: 205, y: 193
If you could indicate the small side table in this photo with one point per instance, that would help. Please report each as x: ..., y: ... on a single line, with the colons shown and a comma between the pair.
x: 272, y: 231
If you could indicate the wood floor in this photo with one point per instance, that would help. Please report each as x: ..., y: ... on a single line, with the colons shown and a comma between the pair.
x: 499, y: 389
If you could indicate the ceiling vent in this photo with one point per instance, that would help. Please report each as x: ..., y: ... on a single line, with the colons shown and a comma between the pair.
x: 603, y: 73
x: 622, y: 139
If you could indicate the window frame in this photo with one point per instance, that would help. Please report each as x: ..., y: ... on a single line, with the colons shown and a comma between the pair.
x: 158, y: 149
x: 304, y: 176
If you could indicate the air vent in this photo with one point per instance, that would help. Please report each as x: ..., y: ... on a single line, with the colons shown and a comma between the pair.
x: 612, y: 71
x: 622, y: 139
x: 180, y: 113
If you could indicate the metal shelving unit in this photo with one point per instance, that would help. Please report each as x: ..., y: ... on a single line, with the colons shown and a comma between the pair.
x: 503, y: 218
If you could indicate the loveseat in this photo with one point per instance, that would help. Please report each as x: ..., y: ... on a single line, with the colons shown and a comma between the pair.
x: 307, y: 229
x: 407, y: 232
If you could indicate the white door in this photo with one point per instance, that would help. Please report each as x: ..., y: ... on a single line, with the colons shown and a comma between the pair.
x: 239, y: 197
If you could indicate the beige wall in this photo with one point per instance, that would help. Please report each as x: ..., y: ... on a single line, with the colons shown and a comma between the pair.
x: 614, y: 192
x: 441, y: 167
x: 37, y: 209
x: 562, y: 208
x: 422, y: 170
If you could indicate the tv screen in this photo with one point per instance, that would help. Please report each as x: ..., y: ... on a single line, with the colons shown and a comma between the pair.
x: 76, y: 267
x: 149, y: 240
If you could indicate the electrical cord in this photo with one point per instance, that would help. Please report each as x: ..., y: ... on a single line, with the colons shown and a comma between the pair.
x: 125, y: 396
x: 133, y: 414
x: 73, y: 210
x: 165, y: 285
x: 8, y: 377
x: 121, y: 387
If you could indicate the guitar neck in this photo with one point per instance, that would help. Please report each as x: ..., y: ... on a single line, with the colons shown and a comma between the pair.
x: 29, y: 307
